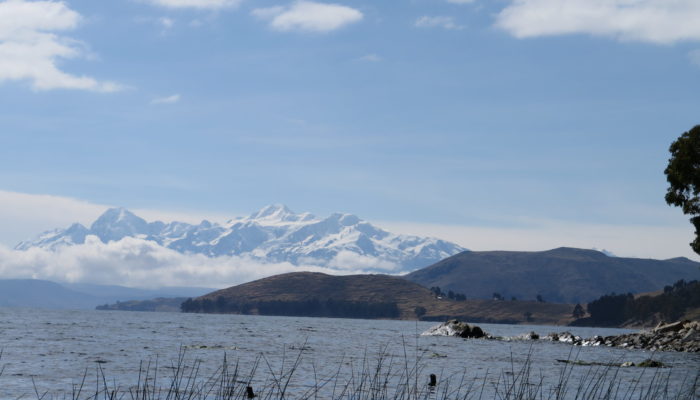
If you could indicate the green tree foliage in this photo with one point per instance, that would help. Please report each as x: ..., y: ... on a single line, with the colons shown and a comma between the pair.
x: 615, y: 309
x: 420, y: 311
x: 437, y: 292
x: 578, y: 312
x: 187, y: 305
x: 611, y: 309
x: 683, y: 176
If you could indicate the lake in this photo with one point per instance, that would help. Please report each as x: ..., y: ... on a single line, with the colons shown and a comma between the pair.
x: 54, y: 349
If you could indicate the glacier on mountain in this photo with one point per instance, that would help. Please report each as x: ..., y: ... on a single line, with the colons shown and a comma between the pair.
x: 272, y: 234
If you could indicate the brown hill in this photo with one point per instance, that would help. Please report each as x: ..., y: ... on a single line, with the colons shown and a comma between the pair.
x: 564, y: 275
x: 310, y: 294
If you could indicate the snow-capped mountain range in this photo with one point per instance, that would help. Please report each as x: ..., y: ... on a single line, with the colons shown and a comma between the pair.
x: 272, y: 234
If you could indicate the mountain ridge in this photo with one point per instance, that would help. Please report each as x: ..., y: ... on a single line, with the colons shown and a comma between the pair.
x: 272, y: 234
x: 563, y: 274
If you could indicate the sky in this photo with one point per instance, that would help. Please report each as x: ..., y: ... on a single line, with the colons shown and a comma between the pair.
x: 496, y: 124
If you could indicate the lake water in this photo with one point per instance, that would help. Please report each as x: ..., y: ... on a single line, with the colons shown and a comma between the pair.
x: 54, y: 349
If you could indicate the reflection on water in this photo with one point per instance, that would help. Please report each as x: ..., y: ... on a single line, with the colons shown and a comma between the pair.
x: 56, y: 347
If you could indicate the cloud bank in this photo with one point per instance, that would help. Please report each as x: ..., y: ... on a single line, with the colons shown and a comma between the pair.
x: 30, y: 48
x: 141, y: 263
x: 308, y: 16
x: 654, y: 21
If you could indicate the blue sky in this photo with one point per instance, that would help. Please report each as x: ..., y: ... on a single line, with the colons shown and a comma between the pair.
x: 513, y: 124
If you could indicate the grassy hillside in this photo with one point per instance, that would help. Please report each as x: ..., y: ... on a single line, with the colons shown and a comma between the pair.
x: 563, y: 275
x: 306, y: 288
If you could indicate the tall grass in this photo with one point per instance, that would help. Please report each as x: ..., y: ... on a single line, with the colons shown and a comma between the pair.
x: 379, y: 377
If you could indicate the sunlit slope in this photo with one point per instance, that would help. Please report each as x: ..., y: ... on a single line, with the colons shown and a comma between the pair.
x: 375, y: 289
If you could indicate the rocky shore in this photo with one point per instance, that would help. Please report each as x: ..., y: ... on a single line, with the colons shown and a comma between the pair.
x: 458, y: 328
x: 678, y: 336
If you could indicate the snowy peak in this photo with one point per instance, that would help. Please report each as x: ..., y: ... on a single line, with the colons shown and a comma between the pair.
x: 52, y: 240
x: 116, y: 216
x: 273, y: 211
x: 276, y: 214
x: 117, y: 223
x: 271, y: 234
x: 345, y: 219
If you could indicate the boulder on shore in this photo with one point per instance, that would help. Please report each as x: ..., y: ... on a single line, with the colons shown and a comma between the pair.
x: 455, y: 327
x: 565, y: 337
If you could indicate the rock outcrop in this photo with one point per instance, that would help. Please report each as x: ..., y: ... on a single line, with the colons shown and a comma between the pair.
x: 455, y: 327
x: 679, y: 336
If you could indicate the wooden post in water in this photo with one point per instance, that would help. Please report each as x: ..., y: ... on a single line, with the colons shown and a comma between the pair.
x: 249, y: 392
x: 433, y: 380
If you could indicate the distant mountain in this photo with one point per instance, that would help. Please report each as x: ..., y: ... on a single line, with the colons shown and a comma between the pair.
x: 123, y: 293
x: 366, y: 296
x: 35, y: 293
x: 565, y: 275
x: 272, y: 234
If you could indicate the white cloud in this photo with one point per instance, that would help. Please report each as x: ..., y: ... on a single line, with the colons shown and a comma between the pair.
x: 136, y: 262
x: 437, y: 22
x: 30, y: 51
x: 166, y: 100
x: 349, y: 261
x: 196, y: 4
x: 370, y: 58
x: 694, y: 56
x: 309, y: 16
x: 166, y: 22
x: 655, y: 21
